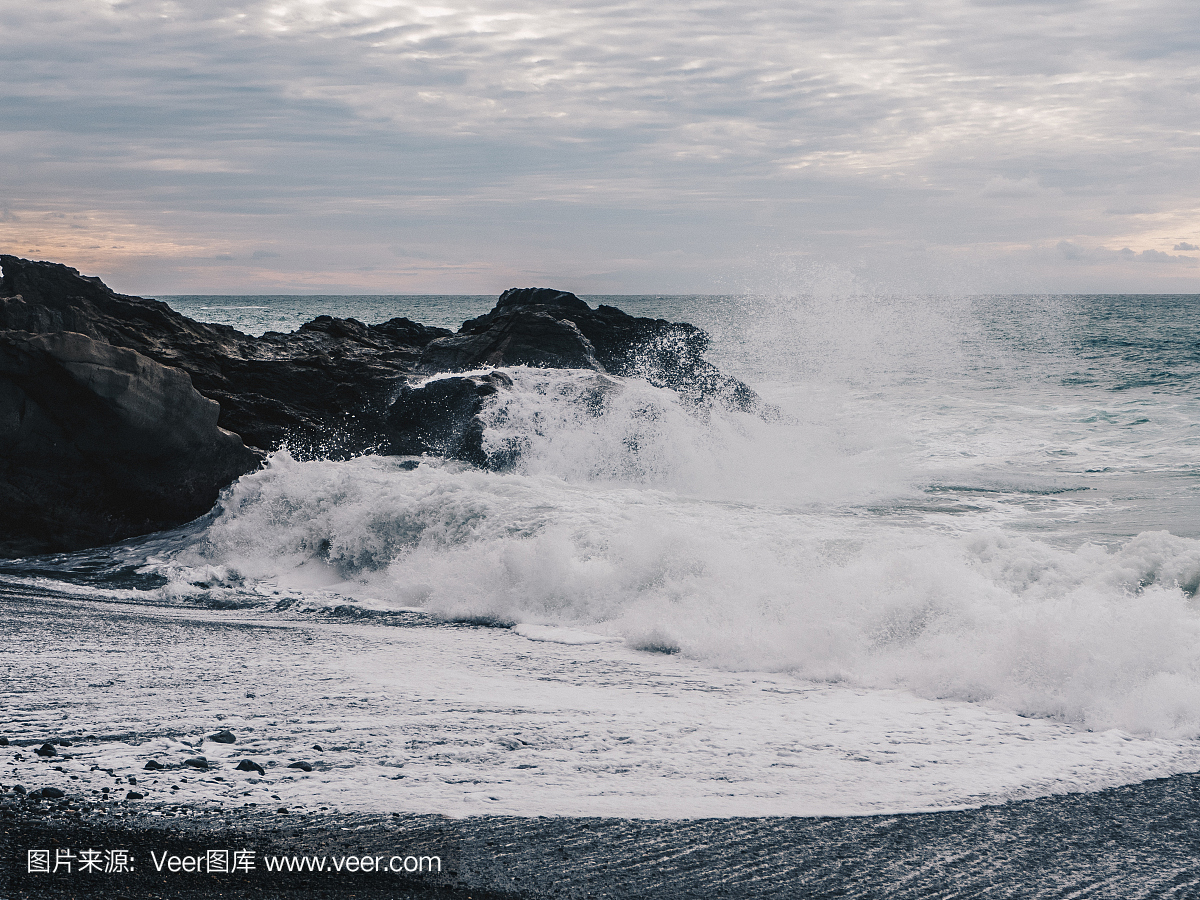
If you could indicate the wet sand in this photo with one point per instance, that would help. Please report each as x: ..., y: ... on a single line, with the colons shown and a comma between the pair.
x: 1132, y: 842
x: 163, y: 676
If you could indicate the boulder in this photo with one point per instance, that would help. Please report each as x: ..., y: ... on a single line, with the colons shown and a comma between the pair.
x: 441, y: 417
x: 99, y: 443
x: 555, y: 329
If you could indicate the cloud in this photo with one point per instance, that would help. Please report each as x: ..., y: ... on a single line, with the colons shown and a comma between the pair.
x: 540, y: 137
x: 1184, y: 245
x: 1104, y: 255
x: 1070, y: 250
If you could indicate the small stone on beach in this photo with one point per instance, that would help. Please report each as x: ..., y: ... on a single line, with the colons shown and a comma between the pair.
x: 223, y: 737
x: 196, y: 762
x: 134, y: 795
x: 46, y: 750
x: 305, y: 766
x: 154, y: 764
x: 249, y: 765
x: 47, y: 793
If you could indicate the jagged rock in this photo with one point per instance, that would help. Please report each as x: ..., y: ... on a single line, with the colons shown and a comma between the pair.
x: 555, y: 329
x: 441, y: 417
x: 322, y: 389
x: 223, y: 737
x: 98, y: 443
x: 120, y: 416
x: 537, y: 334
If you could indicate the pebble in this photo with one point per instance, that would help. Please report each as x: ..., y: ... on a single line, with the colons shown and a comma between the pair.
x: 154, y: 764
x: 196, y: 762
x: 305, y: 766
x: 47, y: 793
x: 134, y: 795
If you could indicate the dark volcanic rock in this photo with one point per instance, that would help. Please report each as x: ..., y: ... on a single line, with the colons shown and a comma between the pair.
x: 120, y: 416
x: 98, y: 443
x: 441, y: 417
x: 223, y: 737
x: 108, y: 425
x: 153, y: 765
x: 46, y: 750
x: 536, y: 333
x: 302, y: 766
x: 249, y: 765
x: 196, y: 762
x: 47, y: 793
x: 545, y: 327
x: 322, y: 389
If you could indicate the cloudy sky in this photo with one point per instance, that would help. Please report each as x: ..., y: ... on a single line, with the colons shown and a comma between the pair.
x: 466, y: 146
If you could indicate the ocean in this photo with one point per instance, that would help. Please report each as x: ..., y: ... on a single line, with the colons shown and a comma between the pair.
x: 958, y: 567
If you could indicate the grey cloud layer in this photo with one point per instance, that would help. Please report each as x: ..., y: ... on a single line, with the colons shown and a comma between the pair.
x: 485, y: 132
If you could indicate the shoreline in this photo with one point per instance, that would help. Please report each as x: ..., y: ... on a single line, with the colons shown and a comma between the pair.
x: 1128, y: 842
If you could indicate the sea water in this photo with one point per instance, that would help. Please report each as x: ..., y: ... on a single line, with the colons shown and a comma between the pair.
x: 986, y: 502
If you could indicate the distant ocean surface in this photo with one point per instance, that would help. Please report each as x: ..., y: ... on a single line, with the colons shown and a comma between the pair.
x: 987, y: 502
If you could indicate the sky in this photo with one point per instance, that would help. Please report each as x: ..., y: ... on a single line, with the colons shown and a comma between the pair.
x: 718, y: 146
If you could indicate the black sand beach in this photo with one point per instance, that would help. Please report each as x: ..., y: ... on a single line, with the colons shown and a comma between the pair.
x: 1134, y: 841
x: 1139, y: 841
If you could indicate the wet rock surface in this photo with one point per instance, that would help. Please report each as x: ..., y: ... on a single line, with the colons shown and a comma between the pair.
x: 546, y: 327
x: 119, y: 416
x: 322, y: 388
x: 99, y: 442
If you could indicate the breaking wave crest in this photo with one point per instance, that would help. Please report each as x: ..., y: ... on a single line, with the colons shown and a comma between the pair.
x: 741, y: 543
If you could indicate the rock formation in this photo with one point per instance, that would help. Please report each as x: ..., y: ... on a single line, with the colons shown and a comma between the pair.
x: 98, y: 443
x: 545, y: 327
x: 120, y: 416
x: 323, y: 389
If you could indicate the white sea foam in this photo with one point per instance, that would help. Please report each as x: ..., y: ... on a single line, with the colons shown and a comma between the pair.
x: 747, y: 545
